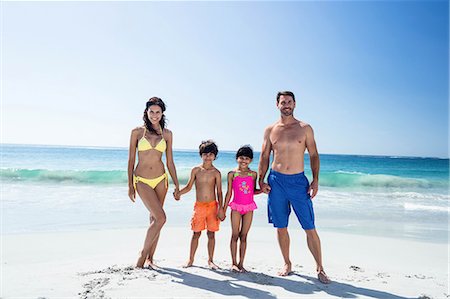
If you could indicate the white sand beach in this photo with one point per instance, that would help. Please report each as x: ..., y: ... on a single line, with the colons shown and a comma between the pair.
x: 99, y: 264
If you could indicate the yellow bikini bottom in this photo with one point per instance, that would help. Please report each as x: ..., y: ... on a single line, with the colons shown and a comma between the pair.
x: 151, y: 182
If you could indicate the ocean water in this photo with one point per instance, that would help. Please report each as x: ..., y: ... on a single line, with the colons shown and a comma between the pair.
x: 47, y: 188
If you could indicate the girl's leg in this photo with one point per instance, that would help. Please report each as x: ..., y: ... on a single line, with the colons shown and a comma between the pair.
x: 161, y: 192
x: 154, y: 206
x: 194, y: 245
x: 235, y: 227
x: 246, y: 223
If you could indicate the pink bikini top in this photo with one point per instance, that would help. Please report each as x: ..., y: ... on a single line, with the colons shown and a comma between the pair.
x: 243, y: 188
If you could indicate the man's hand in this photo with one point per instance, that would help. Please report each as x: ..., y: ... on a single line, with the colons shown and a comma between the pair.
x: 313, y: 188
x: 132, y: 193
x: 264, y: 187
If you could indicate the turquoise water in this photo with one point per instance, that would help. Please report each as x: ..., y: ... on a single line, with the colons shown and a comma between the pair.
x: 48, y: 188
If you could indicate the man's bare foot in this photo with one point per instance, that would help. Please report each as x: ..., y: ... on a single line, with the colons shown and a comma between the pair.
x: 322, y: 277
x: 235, y: 268
x: 286, y: 270
x: 188, y: 264
x: 212, y: 266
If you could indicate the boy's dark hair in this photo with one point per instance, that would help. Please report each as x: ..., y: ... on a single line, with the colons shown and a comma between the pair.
x: 245, y: 151
x: 285, y: 93
x: 208, y: 146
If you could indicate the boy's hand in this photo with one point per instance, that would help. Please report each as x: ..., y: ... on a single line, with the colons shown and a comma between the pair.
x: 221, y: 214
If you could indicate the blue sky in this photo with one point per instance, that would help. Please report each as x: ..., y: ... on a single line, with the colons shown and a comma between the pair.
x: 370, y: 77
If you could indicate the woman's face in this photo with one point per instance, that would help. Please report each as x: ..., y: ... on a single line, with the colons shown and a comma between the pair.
x: 154, y: 113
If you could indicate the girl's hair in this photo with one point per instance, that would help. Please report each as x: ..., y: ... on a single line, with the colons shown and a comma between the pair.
x: 158, y: 102
x: 245, y: 151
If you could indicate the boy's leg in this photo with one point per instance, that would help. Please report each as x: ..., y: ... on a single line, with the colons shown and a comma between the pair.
x: 211, y: 245
x: 235, y: 229
x: 194, y: 245
x: 246, y: 223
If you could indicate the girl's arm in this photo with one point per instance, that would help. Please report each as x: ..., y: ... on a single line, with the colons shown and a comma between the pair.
x: 190, y: 183
x: 256, y: 191
x: 229, y: 191
x: 131, y: 162
x: 169, y: 161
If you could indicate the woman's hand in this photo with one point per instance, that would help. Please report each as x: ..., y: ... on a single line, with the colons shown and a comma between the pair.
x: 132, y: 193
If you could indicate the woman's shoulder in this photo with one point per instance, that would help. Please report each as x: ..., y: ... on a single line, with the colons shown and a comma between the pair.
x: 137, y: 130
x: 167, y: 133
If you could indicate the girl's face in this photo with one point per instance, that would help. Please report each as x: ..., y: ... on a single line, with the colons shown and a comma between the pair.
x: 154, y: 114
x: 243, y: 161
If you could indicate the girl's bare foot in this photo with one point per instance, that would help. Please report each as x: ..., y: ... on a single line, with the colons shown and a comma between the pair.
x: 212, y: 266
x: 235, y: 268
x: 188, y: 264
x: 286, y: 270
x: 243, y: 270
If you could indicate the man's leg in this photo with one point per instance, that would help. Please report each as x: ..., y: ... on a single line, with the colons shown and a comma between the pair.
x: 314, y: 246
x: 284, y: 241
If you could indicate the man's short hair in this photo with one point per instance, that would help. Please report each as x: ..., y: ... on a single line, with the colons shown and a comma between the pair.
x: 208, y: 146
x: 285, y: 93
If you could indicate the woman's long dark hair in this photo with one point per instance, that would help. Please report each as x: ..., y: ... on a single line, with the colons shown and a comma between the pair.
x: 155, y: 101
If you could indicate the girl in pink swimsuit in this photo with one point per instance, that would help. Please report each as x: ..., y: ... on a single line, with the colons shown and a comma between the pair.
x: 241, y: 183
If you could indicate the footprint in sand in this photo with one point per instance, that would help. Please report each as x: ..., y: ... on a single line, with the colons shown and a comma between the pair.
x: 356, y: 268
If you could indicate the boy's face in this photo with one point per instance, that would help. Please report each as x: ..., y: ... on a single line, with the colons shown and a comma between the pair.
x: 244, y: 161
x: 208, y: 157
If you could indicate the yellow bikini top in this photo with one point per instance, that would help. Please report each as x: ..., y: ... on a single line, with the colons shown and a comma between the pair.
x: 144, y: 144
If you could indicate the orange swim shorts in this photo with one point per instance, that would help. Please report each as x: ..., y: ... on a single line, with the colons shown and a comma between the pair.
x: 205, y: 216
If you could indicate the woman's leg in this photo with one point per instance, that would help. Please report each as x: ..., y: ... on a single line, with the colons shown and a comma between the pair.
x: 153, y: 204
x: 161, y: 192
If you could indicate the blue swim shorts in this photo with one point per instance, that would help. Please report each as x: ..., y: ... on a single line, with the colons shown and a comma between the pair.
x: 288, y: 190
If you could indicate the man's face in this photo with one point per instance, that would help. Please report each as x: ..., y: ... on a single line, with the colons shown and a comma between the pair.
x: 286, y: 105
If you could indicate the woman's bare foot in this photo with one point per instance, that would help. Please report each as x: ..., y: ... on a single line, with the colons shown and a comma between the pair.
x: 322, y: 277
x: 286, y: 270
x: 141, y: 261
x: 212, y: 266
x: 188, y: 264
x: 235, y: 268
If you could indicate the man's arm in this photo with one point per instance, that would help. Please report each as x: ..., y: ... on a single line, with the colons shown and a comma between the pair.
x: 264, y: 160
x: 314, y: 160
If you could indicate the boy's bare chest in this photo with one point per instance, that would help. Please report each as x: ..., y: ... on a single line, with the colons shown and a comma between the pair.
x: 205, y: 177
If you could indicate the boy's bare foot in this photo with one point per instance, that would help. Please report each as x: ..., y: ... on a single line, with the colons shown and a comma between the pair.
x: 235, y: 268
x: 188, y: 264
x: 286, y: 270
x: 212, y: 266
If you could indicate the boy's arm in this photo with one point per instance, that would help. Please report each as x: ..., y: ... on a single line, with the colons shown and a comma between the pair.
x: 256, y: 191
x: 190, y: 183
x: 229, y: 191
x: 219, y: 188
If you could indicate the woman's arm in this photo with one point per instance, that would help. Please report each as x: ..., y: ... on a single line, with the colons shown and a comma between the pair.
x: 169, y: 161
x: 131, y: 162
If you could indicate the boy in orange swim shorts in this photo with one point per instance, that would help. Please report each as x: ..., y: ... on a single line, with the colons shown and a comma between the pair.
x: 208, y: 187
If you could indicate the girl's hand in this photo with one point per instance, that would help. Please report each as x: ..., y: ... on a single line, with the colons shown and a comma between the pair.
x: 221, y: 214
x: 132, y: 193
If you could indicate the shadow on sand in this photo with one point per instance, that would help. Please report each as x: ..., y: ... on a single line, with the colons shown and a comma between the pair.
x: 292, y: 284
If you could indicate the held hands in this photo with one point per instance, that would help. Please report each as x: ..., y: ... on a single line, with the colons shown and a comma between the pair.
x: 313, y: 188
x: 176, y: 194
x: 132, y: 193
x: 221, y: 214
x: 264, y: 187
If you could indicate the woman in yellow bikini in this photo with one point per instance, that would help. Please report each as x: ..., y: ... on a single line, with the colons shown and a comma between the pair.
x: 149, y: 178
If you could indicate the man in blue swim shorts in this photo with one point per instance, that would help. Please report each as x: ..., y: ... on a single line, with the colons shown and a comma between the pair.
x: 288, y: 187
